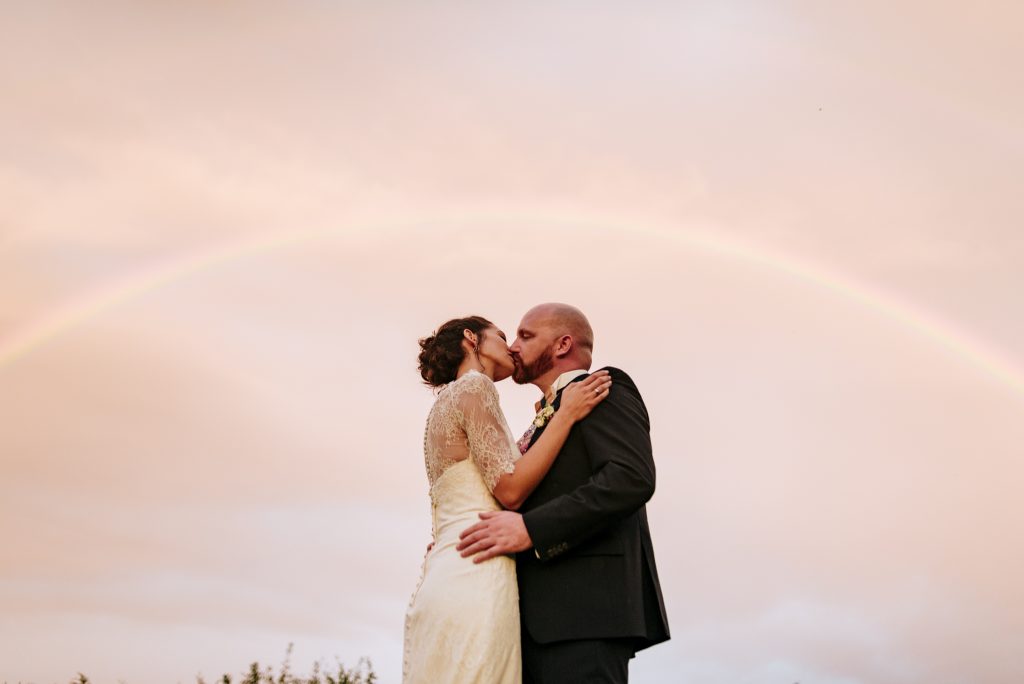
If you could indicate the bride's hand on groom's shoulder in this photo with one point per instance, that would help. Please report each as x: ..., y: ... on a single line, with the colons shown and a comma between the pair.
x: 580, y: 398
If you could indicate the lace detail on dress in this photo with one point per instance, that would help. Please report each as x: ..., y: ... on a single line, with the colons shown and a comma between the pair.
x: 462, y: 624
x: 466, y: 422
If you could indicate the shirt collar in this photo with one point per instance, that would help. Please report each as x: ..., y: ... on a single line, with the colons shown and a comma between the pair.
x: 561, y: 381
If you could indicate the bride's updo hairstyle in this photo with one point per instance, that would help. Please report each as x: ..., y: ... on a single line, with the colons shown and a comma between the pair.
x: 441, y: 353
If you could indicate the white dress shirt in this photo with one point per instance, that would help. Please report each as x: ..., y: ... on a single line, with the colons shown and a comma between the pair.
x: 561, y: 381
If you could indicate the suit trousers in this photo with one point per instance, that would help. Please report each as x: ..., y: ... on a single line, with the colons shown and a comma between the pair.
x: 582, y: 661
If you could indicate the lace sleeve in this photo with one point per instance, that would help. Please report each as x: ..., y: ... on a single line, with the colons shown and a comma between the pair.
x: 491, y: 445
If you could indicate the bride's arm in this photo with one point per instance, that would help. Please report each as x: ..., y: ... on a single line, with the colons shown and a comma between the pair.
x: 578, y: 399
x: 509, y: 476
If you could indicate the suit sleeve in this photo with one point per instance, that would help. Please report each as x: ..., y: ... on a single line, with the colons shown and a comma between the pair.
x: 617, y: 438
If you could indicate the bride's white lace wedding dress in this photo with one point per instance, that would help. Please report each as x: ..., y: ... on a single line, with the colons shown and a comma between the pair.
x: 462, y: 625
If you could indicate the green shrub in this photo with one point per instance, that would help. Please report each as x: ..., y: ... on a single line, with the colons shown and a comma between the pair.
x: 362, y: 673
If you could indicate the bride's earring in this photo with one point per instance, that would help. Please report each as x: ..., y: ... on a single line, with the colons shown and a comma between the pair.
x: 476, y: 352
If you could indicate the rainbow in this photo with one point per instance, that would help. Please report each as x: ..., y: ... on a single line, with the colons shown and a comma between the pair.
x: 968, y: 348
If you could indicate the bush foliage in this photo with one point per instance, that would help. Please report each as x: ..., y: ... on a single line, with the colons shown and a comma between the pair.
x: 362, y: 673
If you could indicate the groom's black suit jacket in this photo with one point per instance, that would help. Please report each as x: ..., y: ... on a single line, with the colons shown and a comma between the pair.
x: 591, y: 573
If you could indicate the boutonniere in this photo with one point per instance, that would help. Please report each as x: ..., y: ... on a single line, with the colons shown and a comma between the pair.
x: 543, y: 416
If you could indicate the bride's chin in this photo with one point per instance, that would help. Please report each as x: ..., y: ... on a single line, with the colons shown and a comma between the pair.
x: 501, y: 373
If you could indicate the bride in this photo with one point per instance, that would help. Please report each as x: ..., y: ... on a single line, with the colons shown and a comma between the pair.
x: 462, y: 625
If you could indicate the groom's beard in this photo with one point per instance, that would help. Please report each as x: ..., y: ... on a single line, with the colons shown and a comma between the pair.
x: 525, y: 373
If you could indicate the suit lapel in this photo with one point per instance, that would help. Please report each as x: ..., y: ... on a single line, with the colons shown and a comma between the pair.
x: 556, y: 404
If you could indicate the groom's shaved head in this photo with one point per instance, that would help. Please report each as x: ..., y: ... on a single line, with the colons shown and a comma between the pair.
x: 564, y: 319
x: 552, y: 339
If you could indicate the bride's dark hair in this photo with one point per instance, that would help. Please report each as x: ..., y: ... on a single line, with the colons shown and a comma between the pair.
x: 442, y: 352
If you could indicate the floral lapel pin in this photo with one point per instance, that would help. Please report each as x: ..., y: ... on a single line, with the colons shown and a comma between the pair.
x: 543, y: 416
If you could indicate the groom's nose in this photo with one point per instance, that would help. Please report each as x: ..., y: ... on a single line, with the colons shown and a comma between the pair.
x: 515, y: 346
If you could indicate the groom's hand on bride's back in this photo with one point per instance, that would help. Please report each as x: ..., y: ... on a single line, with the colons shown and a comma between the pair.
x: 498, y: 533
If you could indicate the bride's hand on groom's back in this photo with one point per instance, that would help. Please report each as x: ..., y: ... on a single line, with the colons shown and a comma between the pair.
x: 580, y: 398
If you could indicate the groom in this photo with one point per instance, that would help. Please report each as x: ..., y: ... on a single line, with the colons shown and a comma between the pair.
x: 589, y: 595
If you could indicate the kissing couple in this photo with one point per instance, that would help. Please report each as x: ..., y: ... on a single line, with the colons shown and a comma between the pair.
x: 542, y: 567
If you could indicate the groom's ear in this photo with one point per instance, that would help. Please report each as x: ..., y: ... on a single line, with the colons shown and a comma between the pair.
x: 564, y: 346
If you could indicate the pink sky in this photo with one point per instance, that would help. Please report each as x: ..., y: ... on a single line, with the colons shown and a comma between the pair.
x: 224, y: 227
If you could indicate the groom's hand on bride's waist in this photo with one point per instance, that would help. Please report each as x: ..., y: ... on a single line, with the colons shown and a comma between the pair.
x: 497, y: 533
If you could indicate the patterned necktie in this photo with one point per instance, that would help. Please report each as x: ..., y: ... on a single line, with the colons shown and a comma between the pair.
x: 524, y: 441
